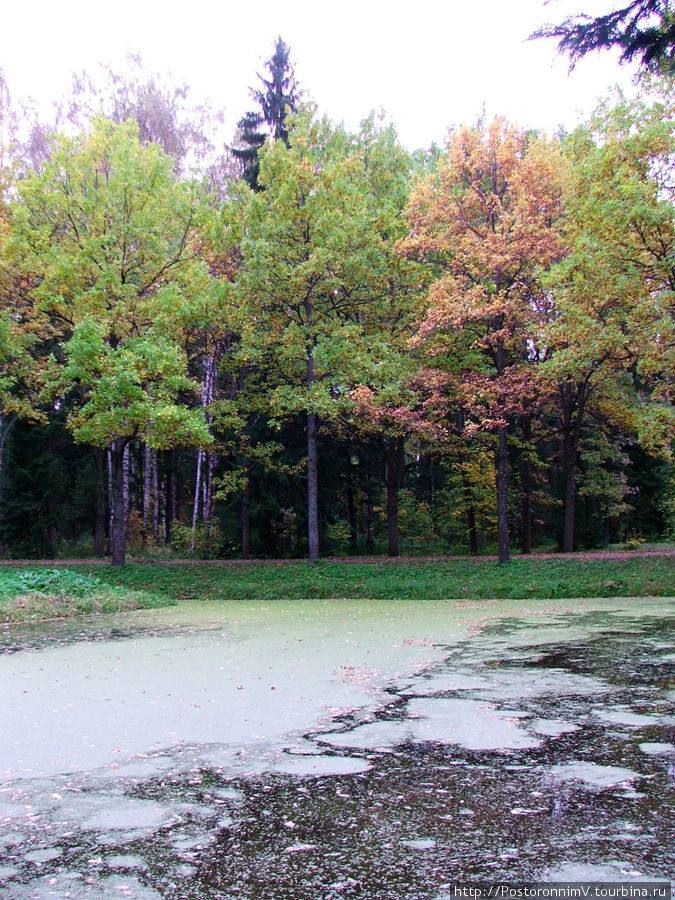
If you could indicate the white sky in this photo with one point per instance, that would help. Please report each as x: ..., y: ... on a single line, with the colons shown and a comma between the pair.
x: 428, y: 65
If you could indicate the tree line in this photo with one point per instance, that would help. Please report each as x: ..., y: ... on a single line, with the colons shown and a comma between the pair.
x: 320, y: 342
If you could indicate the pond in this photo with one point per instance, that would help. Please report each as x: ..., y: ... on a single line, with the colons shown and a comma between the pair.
x: 342, y: 748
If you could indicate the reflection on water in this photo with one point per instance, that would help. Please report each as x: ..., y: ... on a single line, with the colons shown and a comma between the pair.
x: 338, y: 750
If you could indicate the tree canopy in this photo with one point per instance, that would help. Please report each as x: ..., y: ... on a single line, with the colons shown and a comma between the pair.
x: 105, y: 230
x: 344, y: 348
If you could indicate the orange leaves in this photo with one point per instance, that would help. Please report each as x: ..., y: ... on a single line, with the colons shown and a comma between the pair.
x: 488, y: 220
x: 486, y: 223
x: 491, y: 210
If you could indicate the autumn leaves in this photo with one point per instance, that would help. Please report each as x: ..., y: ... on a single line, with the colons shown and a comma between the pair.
x: 504, y: 304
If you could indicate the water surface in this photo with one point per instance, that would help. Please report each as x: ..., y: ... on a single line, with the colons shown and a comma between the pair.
x: 337, y: 748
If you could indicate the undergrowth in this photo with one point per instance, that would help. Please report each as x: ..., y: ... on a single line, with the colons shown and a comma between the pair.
x: 45, y: 593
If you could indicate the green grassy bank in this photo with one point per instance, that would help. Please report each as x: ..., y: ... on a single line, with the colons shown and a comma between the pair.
x: 33, y: 592
x: 438, y: 580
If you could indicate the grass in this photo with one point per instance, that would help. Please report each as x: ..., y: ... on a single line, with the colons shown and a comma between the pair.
x: 41, y: 592
x: 31, y: 594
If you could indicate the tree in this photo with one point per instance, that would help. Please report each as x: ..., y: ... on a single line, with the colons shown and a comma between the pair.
x: 22, y: 334
x: 211, y: 322
x: 249, y: 140
x: 280, y: 95
x: 643, y: 29
x: 161, y: 109
x: 278, y: 98
x: 484, y: 224
x: 311, y: 260
x: 611, y: 320
x: 382, y: 383
x: 8, y: 118
x: 105, y: 229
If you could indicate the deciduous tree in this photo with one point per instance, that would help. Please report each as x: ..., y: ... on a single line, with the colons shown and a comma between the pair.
x: 106, y: 230
x: 611, y: 320
x: 485, y: 223
x: 311, y: 261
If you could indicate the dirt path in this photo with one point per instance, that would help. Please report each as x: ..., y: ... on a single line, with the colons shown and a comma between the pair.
x: 368, y: 560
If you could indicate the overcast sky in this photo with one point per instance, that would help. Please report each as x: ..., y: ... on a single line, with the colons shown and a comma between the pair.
x: 428, y: 65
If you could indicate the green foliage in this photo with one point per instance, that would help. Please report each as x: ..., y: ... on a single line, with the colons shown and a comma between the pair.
x: 105, y: 226
x: 46, y: 581
x: 39, y: 593
x: 604, y: 479
x: 278, y: 98
x: 315, y: 262
x: 46, y: 492
x: 418, y: 525
x: 285, y: 333
x: 612, y: 309
x: 280, y: 94
x: 207, y: 539
x: 338, y: 537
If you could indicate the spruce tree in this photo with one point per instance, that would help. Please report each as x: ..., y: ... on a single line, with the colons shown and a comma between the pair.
x: 252, y: 140
x: 643, y: 28
x: 278, y: 96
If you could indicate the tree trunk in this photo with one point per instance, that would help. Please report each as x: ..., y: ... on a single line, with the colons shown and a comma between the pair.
x: 470, y: 514
x: 526, y: 508
x: 111, y: 499
x: 52, y: 533
x: 5, y: 426
x: 99, y: 522
x: 606, y: 529
x: 312, y: 488
x: 118, y: 495
x: 170, y: 500
x: 126, y: 466
x: 198, y: 491
x: 471, y: 528
x: 502, y: 461
x: 246, y: 516
x: 470, y: 510
x: 351, y: 505
x: 208, y: 486
x: 573, y: 402
x: 370, y: 506
x: 312, y: 453
x: 432, y: 483
x: 156, y: 498
x: 206, y: 461
x: 394, y: 454
x: 502, y: 480
x: 147, y: 492
x: 570, y: 470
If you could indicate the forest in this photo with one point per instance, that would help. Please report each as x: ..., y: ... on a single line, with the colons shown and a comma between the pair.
x: 318, y: 343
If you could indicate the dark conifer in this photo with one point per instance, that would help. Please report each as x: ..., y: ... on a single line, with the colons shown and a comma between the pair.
x: 278, y: 96
x: 643, y: 28
x: 251, y: 140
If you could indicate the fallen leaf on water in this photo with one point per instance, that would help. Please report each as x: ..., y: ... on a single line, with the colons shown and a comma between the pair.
x: 298, y: 848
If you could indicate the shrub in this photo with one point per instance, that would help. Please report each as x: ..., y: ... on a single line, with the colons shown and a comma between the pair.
x: 208, y: 540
